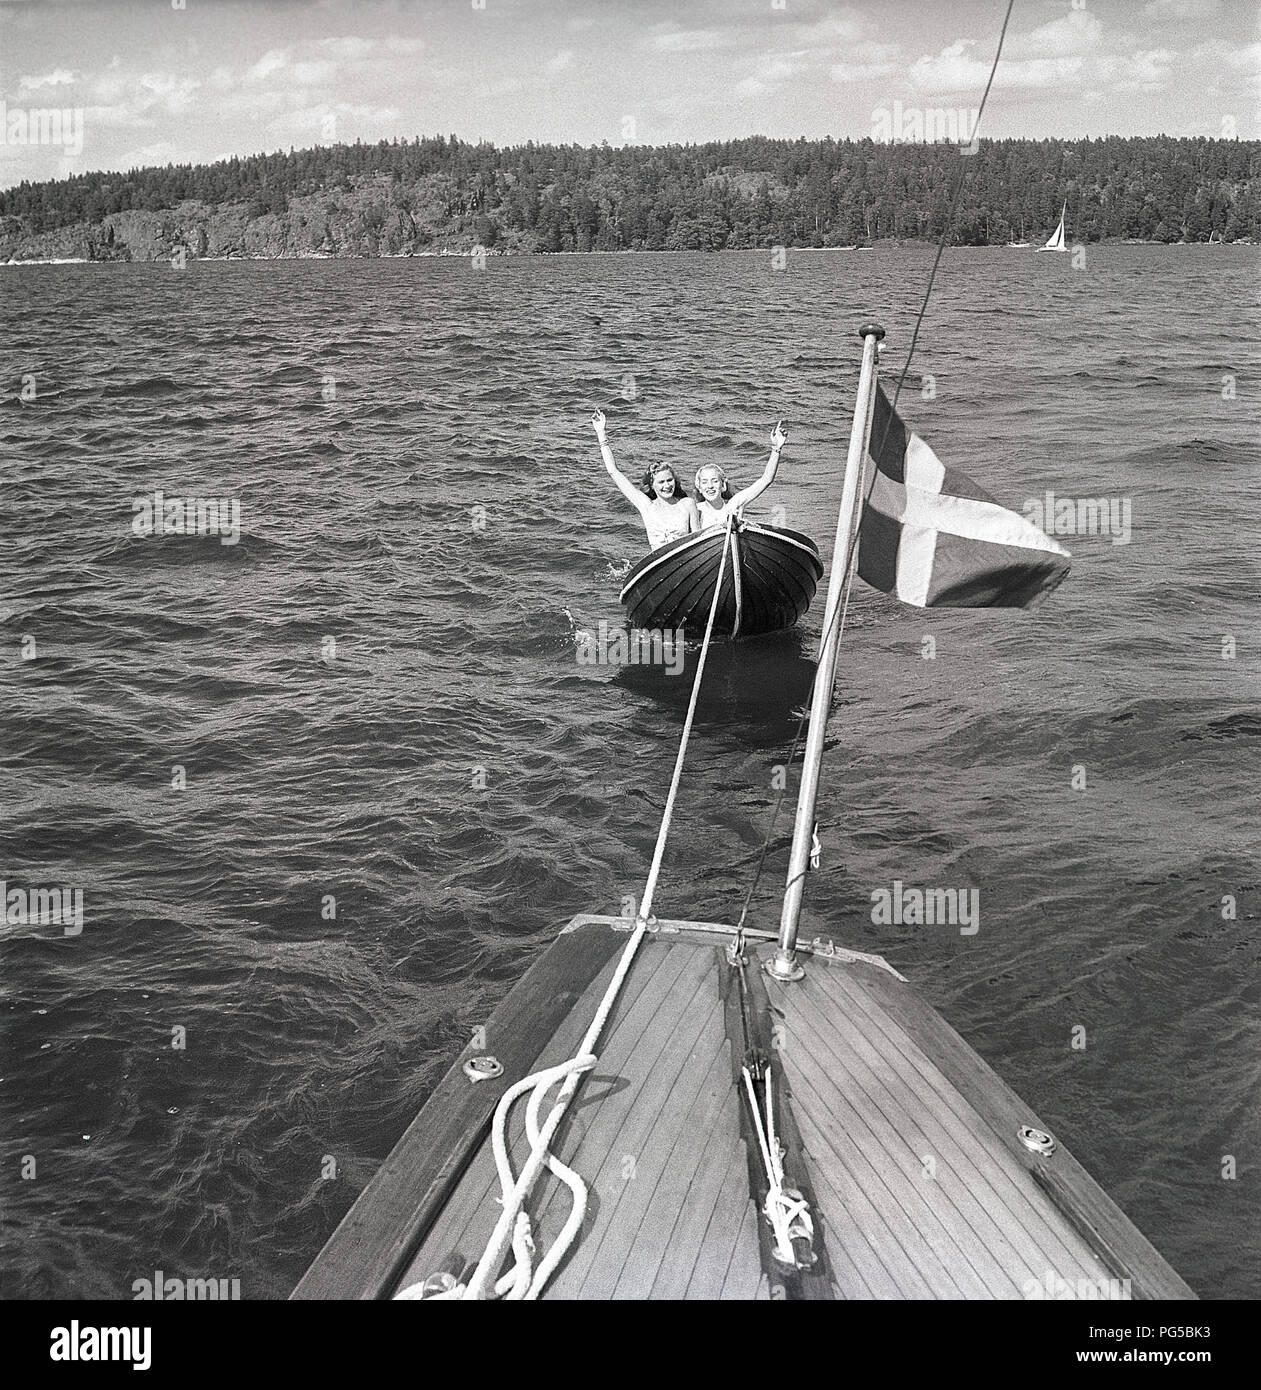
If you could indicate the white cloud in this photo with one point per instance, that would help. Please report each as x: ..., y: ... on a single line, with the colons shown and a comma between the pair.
x: 1140, y: 71
x: 674, y: 40
x: 311, y: 74
x: 1248, y: 59
x: 1074, y: 34
x: 271, y: 62
x: 346, y: 47
x: 865, y: 61
x: 1181, y: 9
x: 561, y: 61
x: 846, y: 26
x: 772, y: 72
x: 1065, y: 55
x: 61, y: 77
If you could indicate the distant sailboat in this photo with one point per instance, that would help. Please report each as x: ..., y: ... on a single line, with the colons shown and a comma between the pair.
x: 1022, y: 244
x: 1211, y: 242
x: 1056, y: 242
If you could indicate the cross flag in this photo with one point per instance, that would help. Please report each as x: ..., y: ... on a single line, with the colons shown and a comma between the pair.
x: 932, y: 538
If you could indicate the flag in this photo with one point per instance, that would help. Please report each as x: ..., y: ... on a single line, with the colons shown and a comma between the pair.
x: 932, y: 538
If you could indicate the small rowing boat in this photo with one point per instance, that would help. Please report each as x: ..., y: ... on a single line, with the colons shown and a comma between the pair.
x: 767, y: 585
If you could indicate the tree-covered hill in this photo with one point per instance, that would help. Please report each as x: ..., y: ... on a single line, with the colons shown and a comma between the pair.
x: 437, y: 194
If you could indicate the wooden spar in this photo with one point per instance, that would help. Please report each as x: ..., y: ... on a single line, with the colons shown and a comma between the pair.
x: 784, y: 964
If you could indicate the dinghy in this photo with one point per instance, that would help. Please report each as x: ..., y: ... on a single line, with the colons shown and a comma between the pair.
x: 740, y: 1114
x: 1057, y: 242
x: 767, y: 584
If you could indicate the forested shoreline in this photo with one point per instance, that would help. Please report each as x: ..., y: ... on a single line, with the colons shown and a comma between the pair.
x: 437, y: 195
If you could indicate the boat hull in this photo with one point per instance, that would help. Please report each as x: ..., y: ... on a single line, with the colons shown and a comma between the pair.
x: 769, y: 580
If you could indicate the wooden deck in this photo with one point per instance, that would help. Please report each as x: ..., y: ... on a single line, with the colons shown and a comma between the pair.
x: 905, y: 1141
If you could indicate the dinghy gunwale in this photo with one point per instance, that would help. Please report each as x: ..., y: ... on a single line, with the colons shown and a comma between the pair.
x: 780, y: 571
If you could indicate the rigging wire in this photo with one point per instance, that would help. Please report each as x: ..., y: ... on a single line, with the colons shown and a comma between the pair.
x: 843, y: 610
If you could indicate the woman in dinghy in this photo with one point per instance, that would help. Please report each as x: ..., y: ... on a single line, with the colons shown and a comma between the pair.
x: 715, y: 501
x: 667, y: 511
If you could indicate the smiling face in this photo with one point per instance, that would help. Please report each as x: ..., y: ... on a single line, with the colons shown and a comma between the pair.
x: 710, y: 481
x: 663, y: 484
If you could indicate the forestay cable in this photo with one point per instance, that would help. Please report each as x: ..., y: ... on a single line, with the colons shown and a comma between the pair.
x: 897, y: 391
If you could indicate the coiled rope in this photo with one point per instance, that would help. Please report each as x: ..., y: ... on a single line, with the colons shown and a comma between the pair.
x: 513, y: 1227
x: 786, y: 1209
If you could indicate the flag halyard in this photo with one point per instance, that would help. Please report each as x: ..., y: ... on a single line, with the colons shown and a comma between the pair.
x: 934, y: 539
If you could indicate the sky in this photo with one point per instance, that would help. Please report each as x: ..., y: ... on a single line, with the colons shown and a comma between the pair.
x: 191, y: 81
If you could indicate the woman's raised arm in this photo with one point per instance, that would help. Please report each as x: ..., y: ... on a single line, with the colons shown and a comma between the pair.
x: 625, y: 486
x: 746, y: 495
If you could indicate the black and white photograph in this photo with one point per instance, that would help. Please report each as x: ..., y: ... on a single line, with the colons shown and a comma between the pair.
x: 631, y: 667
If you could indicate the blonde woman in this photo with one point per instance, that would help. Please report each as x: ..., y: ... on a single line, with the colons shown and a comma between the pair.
x: 715, y: 501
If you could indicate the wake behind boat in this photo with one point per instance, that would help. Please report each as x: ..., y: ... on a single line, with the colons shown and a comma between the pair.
x: 766, y: 586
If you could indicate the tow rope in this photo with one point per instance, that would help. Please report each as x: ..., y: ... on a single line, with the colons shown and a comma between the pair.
x: 513, y: 1229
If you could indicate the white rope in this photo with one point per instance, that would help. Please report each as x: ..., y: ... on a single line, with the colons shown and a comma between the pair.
x: 519, y: 1282
x: 785, y: 1208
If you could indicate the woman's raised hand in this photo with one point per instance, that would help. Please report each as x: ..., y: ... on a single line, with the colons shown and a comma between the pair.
x: 597, y: 424
x: 780, y: 437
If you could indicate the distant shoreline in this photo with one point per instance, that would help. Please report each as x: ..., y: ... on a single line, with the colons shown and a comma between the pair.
x: 899, y: 245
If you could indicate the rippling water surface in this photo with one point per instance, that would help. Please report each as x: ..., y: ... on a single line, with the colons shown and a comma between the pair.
x: 315, y: 773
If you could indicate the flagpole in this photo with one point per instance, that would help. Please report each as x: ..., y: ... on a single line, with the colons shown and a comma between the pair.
x: 783, y: 966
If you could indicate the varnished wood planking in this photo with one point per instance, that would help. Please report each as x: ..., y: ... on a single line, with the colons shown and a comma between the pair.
x: 631, y: 1123
x: 909, y: 1072
x: 900, y: 1130
x: 466, y: 1224
x: 1091, y: 1208
x: 632, y: 1044
x: 862, y: 1141
x: 981, y: 1178
x: 858, y: 1269
x: 722, y: 1242
x: 713, y: 1184
x: 671, y: 1003
x: 744, y: 1273
x: 673, y: 1189
x: 1056, y: 1244
x: 365, y: 1254
x: 856, y: 1224
x: 1003, y: 1111
x: 669, y: 1118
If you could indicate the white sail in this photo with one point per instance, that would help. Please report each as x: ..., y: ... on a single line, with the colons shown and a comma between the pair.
x: 1056, y: 242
